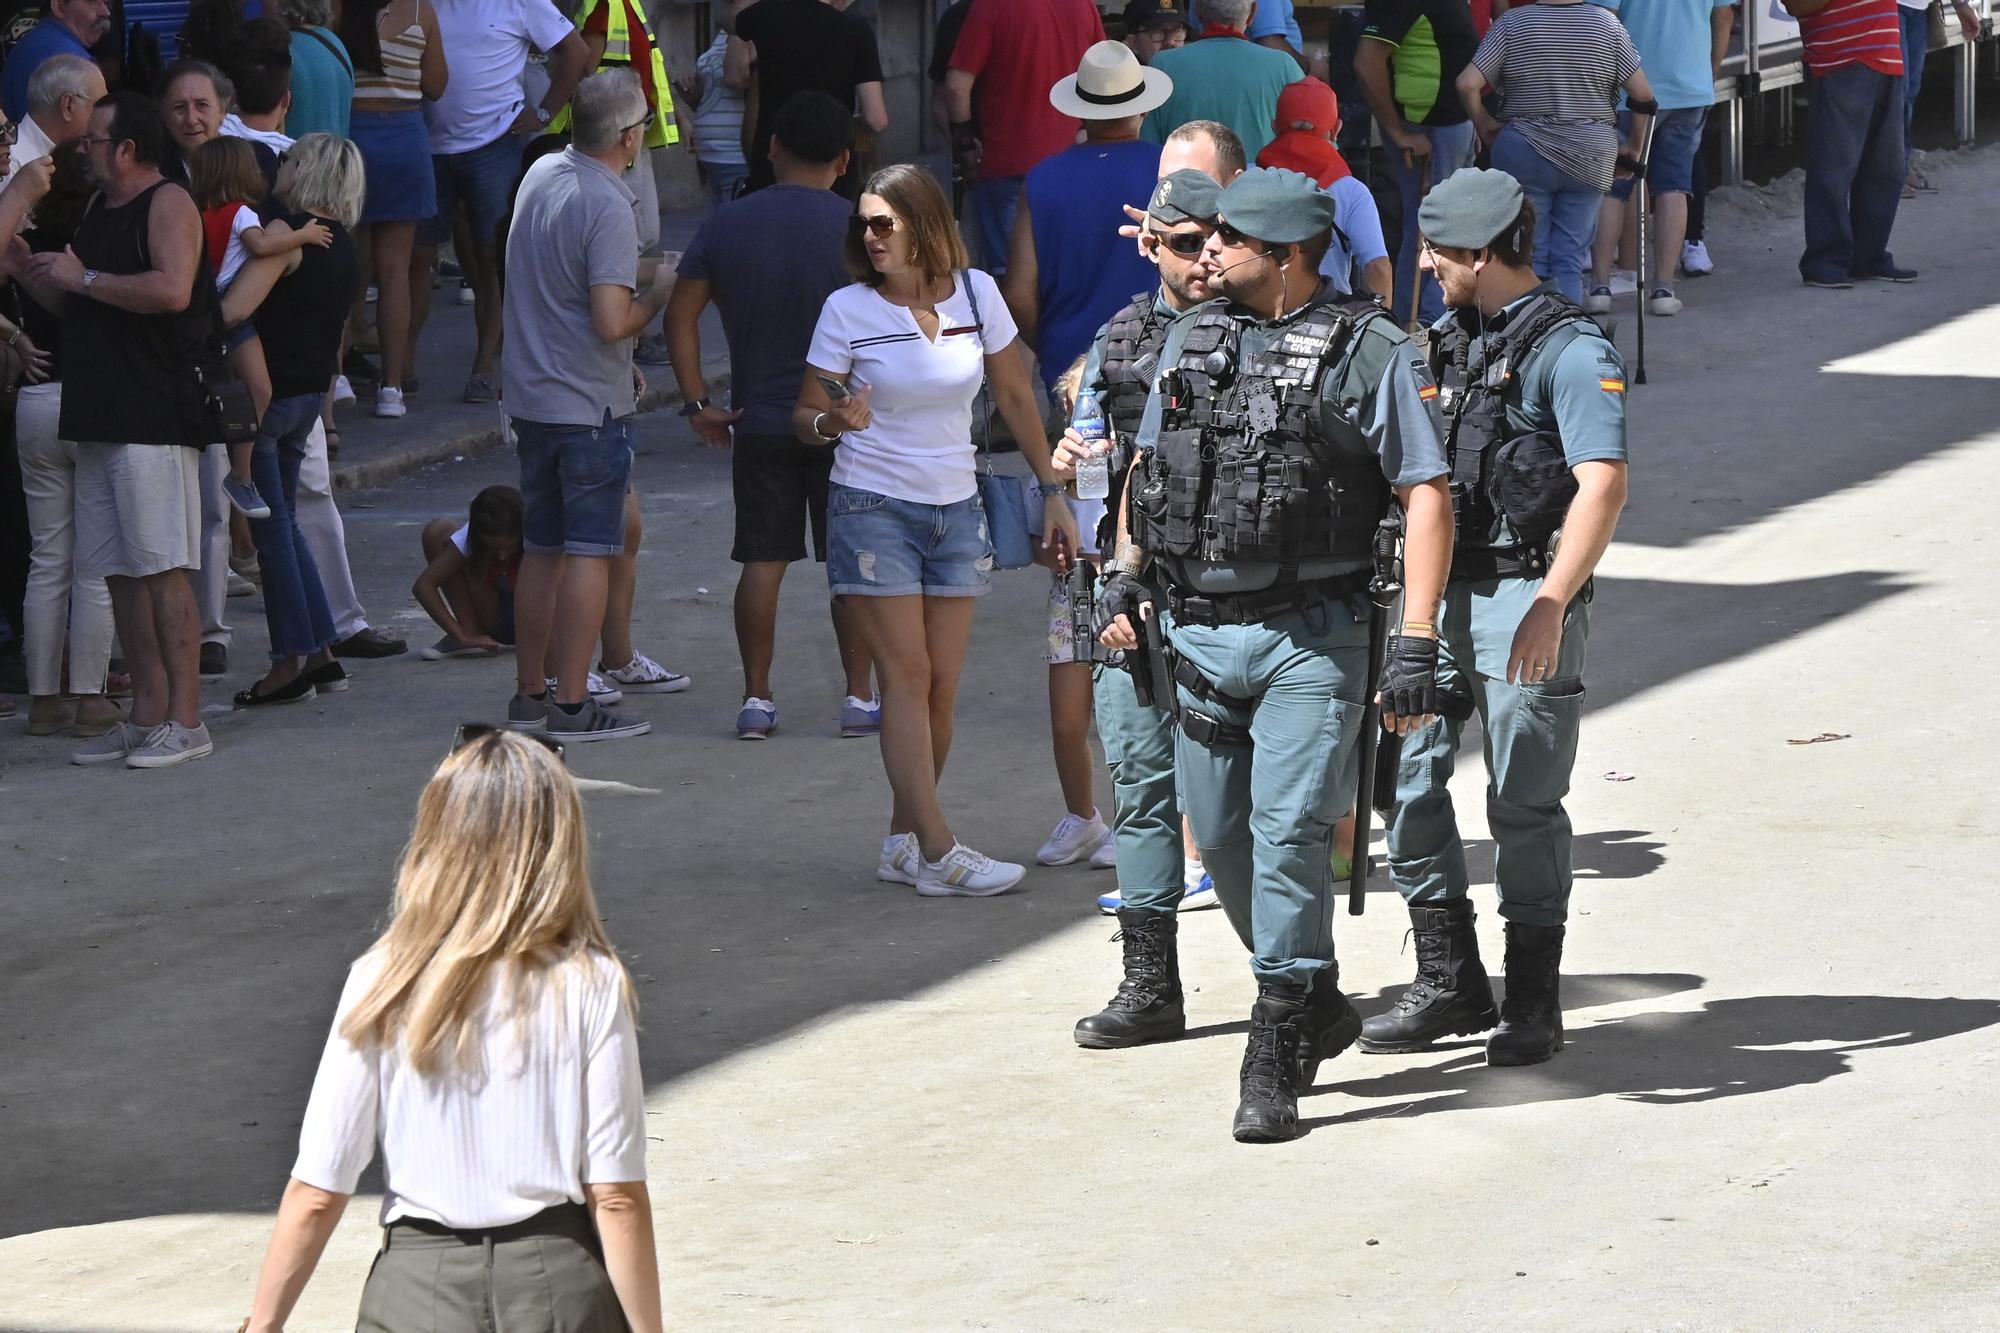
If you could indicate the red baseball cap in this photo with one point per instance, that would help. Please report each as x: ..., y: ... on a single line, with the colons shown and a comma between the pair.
x: 1308, y: 105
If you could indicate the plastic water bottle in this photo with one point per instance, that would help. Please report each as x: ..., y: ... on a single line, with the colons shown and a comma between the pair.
x: 1093, y: 473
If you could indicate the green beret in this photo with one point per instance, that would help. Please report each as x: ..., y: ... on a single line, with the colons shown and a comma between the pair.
x: 1186, y: 195
x: 1467, y: 209
x: 1276, y: 206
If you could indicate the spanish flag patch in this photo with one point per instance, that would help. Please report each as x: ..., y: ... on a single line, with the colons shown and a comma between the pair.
x: 1611, y: 385
x: 1427, y: 392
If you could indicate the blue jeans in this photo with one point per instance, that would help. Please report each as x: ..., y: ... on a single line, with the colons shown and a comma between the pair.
x: 294, y: 602
x: 1565, y: 211
x: 1916, y: 50
x: 573, y: 484
x: 877, y: 546
x: 720, y: 180
x: 992, y: 205
x: 1452, y: 147
x: 1854, y: 173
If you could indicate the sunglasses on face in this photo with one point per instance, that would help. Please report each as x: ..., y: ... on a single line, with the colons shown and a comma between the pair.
x: 468, y: 732
x: 1186, y: 244
x: 9, y: 132
x: 882, y: 224
x: 1231, y: 236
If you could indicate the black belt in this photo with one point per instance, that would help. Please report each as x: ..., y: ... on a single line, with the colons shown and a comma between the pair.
x: 1498, y: 562
x: 562, y: 1219
x: 1249, y: 608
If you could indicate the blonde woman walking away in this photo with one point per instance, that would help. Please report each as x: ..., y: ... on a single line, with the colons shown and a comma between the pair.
x: 486, y: 1043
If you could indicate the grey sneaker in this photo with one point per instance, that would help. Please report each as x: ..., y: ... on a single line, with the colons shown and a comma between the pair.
x: 171, y: 743
x: 860, y: 719
x: 526, y: 714
x: 111, y: 747
x: 594, y: 723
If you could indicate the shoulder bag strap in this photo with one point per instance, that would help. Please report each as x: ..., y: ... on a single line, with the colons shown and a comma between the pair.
x: 340, y: 54
x: 985, y: 449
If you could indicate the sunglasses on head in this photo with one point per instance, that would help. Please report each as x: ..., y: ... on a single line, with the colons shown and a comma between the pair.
x: 882, y: 224
x: 1186, y: 244
x: 468, y: 732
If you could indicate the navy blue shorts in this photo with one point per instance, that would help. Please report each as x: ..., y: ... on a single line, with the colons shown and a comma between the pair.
x: 480, y: 179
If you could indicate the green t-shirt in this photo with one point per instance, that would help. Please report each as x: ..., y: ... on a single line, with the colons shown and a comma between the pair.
x: 1434, y: 41
x: 1378, y: 401
x: 1227, y: 79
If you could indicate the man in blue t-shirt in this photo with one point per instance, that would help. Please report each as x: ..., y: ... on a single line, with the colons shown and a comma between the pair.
x: 769, y: 261
x: 71, y: 28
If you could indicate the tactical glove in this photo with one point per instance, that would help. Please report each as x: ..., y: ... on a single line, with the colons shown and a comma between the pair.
x: 1119, y: 595
x: 1409, y: 676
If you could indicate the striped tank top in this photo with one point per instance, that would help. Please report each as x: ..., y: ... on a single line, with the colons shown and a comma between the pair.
x: 402, y: 55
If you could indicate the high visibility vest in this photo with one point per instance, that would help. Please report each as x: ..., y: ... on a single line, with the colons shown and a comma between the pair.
x: 618, y: 51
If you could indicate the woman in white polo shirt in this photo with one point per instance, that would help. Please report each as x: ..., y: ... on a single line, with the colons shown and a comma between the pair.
x: 907, y: 541
x: 487, y: 1043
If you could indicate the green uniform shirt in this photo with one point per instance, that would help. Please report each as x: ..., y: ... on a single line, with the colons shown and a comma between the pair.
x: 1573, y: 384
x: 1378, y: 401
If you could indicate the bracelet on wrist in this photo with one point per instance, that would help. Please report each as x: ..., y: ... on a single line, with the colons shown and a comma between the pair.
x: 1050, y: 489
x: 817, y: 430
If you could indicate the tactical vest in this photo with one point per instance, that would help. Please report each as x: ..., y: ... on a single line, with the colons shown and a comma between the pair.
x: 618, y: 51
x: 1242, y: 469
x: 1131, y: 357
x: 1496, y: 470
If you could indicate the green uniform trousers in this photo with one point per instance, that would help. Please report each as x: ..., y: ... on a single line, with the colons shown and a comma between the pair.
x: 1145, y: 811
x: 1530, y: 733
x: 1263, y: 811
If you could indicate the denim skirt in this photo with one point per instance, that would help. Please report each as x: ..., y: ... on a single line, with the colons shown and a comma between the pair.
x: 396, y: 154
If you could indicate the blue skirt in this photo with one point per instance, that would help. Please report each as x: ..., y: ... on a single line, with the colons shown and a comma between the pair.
x: 396, y: 153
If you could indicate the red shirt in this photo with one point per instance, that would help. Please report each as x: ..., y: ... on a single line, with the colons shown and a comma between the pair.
x: 642, y: 44
x: 1847, y: 31
x: 1019, y: 49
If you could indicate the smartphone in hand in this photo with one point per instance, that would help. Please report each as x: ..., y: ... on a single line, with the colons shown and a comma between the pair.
x: 835, y: 390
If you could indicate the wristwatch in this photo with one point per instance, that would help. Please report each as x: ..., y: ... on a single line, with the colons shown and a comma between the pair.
x: 1049, y: 489
x: 544, y: 115
x: 89, y: 276
x: 693, y: 406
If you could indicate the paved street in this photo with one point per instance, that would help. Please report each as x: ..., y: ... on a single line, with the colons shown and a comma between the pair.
x: 1775, y: 1110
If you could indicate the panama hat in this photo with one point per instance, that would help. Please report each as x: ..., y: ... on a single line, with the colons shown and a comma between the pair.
x: 1109, y: 85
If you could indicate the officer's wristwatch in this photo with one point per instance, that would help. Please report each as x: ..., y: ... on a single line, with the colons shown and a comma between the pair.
x: 89, y: 276
x: 693, y: 406
x: 544, y: 115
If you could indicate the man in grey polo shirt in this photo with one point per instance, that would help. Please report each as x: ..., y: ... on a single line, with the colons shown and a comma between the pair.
x: 573, y: 308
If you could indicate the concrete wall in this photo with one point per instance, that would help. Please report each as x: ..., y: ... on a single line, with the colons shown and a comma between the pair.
x: 902, y: 34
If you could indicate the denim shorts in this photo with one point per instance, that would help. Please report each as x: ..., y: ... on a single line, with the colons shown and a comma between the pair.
x: 879, y: 547
x: 1676, y: 139
x: 238, y: 334
x: 480, y: 179
x: 573, y: 483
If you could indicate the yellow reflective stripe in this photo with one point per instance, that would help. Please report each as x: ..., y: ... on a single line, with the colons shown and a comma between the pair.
x: 618, y: 51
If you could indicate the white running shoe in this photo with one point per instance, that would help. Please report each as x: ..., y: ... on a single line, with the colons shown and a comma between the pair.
x: 389, y: 402
x: 597, y: 687
x: 1597, y: 301
x: 171, y: 743
x: 900, y: 859
x: 1074, y: 839
x: 642, y: 675
x: 1624, y: 281
x: 113, y: 746
x: 1106, y: 855
x: 965, y: 873
x: 1664, y: 302
x: 1695, y: 260
x: 1199, y: 896
x: 343, y: 392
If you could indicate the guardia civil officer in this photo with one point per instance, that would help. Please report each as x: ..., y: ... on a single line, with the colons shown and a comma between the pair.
x: 1534, y: 397
x: 1286, y: 418
x: 1138, y: 740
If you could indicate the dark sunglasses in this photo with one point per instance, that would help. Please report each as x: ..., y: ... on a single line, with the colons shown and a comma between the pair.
x: 1231, y: 236
x: 468, y: 732
x: 882, y: 224
x: 1186, y: 244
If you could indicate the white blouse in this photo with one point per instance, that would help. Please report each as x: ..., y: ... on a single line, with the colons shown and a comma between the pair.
x: 552, y: 1103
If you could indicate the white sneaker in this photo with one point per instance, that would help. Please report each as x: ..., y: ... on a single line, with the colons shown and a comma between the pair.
x: 1598, y: 301
x: 642, y: 675
x: 389, y: 402
x: 1106, y: 855
x: 900, y: 860
x: 1199, y: 895
x: 597, y: 687
x: 965, y: 873
x: 1073, y: 840
x: 171, y: 743
x: 112, y: 746
x: 1624, y: 281
x: 343, y: 392
x: 1694, y: 259
x: 465, y: 296
x: 1664, y: 302
x: 240, y: 586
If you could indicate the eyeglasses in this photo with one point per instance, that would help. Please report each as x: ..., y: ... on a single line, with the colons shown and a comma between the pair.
x: 468, y: 732
x: 1231, y: 236
x: 635, y: 125
x: 9, y: 132
x: 1186, y: 244
x: 99, y: 138
x: 882, y: 224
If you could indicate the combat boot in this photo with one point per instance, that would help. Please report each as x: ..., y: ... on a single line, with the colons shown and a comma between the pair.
x: 1531, y: 1020
x: 1331, y: 1025
x: 1148, y: 1006
x: 1268, y: 1108
x: 1451, y: 996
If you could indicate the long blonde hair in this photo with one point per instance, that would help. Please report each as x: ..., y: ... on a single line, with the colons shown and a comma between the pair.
x: 495, y: 874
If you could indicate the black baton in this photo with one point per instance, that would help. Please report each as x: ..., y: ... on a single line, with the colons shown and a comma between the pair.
x: 1383, y: 590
